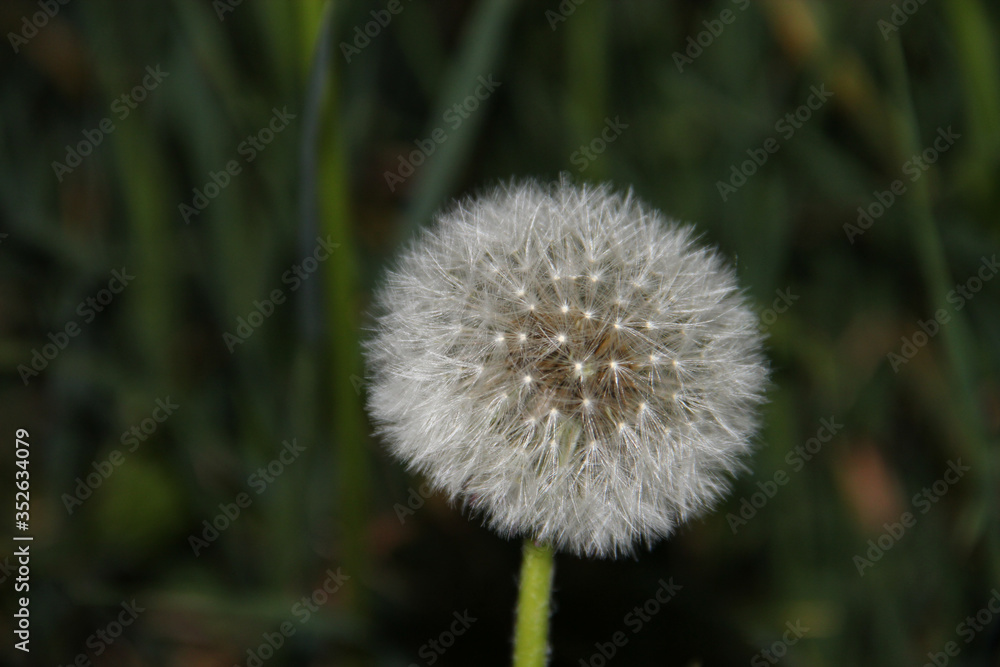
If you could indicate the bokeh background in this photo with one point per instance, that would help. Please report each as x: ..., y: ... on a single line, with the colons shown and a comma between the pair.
x: 334, y: 122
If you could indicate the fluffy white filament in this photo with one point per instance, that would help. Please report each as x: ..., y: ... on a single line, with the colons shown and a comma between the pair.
x: 567, y: 363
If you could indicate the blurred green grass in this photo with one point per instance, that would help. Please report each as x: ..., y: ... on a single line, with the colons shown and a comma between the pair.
x: 299, y: 375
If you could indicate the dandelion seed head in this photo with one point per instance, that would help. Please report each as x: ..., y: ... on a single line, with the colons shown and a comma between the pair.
x: 628, y: 448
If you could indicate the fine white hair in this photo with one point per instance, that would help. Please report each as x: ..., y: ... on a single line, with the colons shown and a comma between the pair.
x: 567, y: 363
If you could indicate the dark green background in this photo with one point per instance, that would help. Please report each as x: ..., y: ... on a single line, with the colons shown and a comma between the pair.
x: 299, y: 375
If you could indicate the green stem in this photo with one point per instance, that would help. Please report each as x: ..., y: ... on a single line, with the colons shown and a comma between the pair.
x: 531, y: 634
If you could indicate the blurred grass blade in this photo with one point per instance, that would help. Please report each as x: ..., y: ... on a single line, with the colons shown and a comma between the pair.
x: 324, y: 200
x: 969, y: 421
x: 478, y: 55
x: 979, y: 69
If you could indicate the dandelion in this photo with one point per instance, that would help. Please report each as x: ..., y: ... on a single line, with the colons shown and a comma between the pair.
x: 568, y: 364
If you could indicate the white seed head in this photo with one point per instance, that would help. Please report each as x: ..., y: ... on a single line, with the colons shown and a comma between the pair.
x: 567, y: 426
